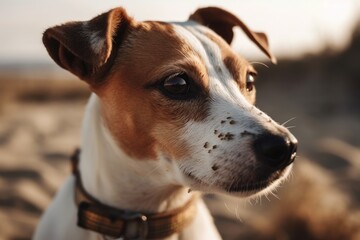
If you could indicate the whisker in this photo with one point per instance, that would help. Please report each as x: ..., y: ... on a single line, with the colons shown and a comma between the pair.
x: 274, y: 194
x: 267, y: 197
x: 250, y: 202
x: 152, y: 171
x: 237, y: 213
x: 260, y: 63
x: 289, y: 127
x: 288, y: 121
x: 227, y: 207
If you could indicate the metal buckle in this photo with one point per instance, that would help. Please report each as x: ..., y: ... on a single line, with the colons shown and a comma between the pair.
x: 136, y: 226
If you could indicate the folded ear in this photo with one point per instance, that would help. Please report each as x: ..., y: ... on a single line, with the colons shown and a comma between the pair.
x: 222, y: 22
x: 85, y: 48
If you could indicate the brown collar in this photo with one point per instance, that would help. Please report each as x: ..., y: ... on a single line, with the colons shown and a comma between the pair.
x: 116, y: 223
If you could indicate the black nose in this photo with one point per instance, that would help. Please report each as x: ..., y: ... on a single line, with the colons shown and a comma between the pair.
x: 276, y: 151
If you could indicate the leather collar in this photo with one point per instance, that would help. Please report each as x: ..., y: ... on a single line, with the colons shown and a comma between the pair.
x: 96, y: 216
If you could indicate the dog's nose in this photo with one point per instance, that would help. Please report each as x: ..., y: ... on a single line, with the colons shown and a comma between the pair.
x: 276, y: 151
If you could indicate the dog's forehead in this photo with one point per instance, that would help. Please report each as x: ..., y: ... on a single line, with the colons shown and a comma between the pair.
x: 156, y: 49
x: 189, y: 44
x: 212, y: 49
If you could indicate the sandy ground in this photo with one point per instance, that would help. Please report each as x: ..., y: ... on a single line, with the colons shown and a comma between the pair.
x: 40, y: 127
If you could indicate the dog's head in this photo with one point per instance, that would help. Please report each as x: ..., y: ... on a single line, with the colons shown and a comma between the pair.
x: 176, y: 94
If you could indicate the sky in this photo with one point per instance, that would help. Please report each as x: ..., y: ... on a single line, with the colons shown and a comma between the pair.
x: 294, y: 27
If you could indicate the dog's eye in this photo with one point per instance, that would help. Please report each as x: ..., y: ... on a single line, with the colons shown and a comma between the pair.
x: 176, y: 87
x: 250, y: 81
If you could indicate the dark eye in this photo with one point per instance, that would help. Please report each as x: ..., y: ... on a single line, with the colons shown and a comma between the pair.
x: 176, y: 87
x: 250, y: 81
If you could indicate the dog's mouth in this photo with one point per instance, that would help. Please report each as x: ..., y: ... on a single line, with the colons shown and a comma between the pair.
x: 239, y: 186
x: 256, y: 186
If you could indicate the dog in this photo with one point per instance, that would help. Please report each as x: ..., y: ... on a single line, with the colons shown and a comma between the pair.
x: 171, y: 115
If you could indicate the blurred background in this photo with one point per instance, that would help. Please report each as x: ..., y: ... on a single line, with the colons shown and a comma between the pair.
x: 315, y: 85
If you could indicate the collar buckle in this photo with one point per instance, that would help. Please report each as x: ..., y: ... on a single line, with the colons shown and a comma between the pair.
x: 136, y: 226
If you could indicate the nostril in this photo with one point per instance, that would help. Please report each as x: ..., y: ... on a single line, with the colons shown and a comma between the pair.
x: 274, y: 150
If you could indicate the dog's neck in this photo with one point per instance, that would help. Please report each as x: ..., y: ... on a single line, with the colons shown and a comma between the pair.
x: 123, y: 182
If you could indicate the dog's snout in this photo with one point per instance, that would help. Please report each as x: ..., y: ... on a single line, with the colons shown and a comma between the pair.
x: 274, y: 150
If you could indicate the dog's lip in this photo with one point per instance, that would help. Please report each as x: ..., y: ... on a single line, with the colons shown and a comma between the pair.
x: 252, y: 187
x: 255, y: 186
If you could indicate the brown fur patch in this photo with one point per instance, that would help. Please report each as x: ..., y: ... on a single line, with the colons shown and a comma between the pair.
x: 142, y: 119
x: 72, y: 45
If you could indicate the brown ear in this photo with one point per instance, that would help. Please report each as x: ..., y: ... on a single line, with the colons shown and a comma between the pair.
x: 85, y: 48
x: 222, y: 22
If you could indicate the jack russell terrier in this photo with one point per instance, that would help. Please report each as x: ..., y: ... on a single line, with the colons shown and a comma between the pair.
x: 171, y: 114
